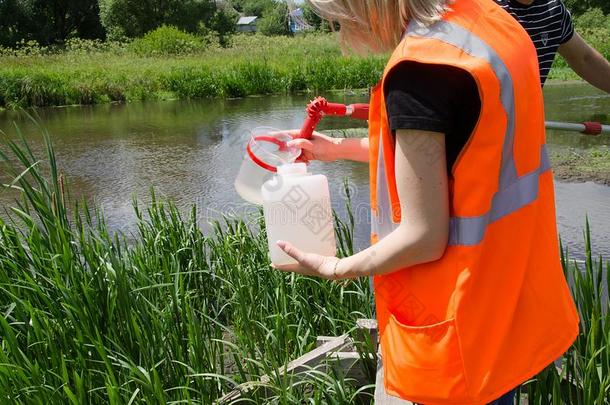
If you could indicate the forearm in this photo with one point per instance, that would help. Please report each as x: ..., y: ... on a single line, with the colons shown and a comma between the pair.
x: 356, y: 149
x: 421, y: 235
x: 404, y: 247
x: 595, y: 70
x: 587, y: 62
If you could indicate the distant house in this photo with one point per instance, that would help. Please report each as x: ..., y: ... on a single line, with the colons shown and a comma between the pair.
x: 246, y: 24
x: 296, y: 21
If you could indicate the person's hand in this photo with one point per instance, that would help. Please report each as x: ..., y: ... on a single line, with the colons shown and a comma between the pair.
x: 309, y: 264
x: 318, y: 147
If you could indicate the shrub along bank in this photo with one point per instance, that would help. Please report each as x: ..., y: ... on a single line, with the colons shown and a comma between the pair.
x: 169, y: 64
x: 154, y: 67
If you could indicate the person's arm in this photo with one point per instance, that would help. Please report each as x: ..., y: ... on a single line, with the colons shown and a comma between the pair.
x: 422, y: 234
x: 356, y: 149
x: 587, y: 62
x: 325, y: 148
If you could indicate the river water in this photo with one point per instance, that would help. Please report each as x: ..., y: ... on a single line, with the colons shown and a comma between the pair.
x: 190, y: 152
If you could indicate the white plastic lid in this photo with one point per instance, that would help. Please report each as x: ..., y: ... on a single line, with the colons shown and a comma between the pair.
x: 292, y: 168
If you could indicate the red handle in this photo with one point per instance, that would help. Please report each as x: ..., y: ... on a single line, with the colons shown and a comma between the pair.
x: 335, y: 109
x: 360, y: 111
x: 319, y: 107
x: 315, y: 109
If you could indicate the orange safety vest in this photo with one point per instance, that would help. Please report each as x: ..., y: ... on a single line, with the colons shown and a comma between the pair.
x: 496, y: 308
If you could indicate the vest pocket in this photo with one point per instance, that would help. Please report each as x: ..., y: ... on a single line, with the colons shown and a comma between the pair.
x: 423, y: 363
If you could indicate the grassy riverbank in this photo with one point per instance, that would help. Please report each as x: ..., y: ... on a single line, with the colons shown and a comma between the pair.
x: 178, y: 315
x: 92, y: 73
x: 253, y: 65
x: 571, y: 164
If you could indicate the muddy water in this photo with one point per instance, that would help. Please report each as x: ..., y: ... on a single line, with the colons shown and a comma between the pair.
x: 190, y: 152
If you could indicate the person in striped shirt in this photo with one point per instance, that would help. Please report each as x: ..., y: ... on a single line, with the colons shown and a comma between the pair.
x: 549, y: 24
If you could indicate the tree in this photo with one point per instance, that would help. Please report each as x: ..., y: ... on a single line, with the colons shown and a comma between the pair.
x: 223, y: 23
x: 578, y: 7
x: 253, y: 7
x: 49, y: 21
x: 133, y: 18
x: 311, y: 17
x: 11, y: 27
x: 258, y: 7
x: 275, y: 21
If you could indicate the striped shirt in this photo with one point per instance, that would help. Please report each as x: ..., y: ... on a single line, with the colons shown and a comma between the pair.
x: 548, y: 23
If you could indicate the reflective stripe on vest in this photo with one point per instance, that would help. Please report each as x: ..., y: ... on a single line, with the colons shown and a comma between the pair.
x: 514, y: 192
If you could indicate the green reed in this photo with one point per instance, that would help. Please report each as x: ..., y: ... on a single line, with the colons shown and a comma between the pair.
x: 583, y: 374
x: 173, y: 315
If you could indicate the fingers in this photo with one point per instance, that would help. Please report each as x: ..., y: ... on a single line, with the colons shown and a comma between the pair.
x: 304, y: 144
x: 293, y: 268
x: 290, y: 250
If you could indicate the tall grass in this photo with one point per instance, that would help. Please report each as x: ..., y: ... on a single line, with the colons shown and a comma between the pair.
x: 582, y: 376
x: 174, y: 316
x: 178, y: 316
x: 252, y: 65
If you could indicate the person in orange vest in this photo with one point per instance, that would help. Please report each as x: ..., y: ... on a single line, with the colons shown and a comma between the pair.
x: 471, y: 299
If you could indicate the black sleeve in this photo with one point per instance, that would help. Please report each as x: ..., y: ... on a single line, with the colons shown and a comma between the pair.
x: 427, y: 97
x: 437, y: 98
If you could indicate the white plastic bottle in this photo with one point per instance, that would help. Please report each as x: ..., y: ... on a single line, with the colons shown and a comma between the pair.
x: 297, y: 210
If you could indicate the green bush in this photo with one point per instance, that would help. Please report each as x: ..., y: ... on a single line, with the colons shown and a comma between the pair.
x: 593, y: 19
x: 167, y: 40
x: 578, y: 7
x: 253, y: 7
x: 594, y: 27
x: 133, y: 18
x: 80, y: 46
x: 275, y: 21
x: 223, y: 24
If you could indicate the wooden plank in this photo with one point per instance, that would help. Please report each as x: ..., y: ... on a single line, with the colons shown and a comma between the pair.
x: 367, y: 332
x: 304, y: 363
x: 348, y: 347
x: 350, y: 365
x: 338, y: 351
x: 320, y: 340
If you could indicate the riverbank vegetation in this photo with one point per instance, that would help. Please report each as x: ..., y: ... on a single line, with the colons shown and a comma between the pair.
x: 157, y: 67
x: 86, y: 317
x: 168, y: 63
x: 176, y: 315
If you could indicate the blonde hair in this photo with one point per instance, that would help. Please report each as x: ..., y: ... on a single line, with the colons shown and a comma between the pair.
x: 377, y: 25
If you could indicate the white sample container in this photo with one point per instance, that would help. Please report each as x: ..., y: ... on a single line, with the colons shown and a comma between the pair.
x: 266, y: 149
x: 297, y: 210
